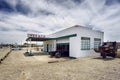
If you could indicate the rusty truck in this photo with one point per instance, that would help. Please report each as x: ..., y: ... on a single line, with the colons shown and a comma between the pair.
x: 108, y: 49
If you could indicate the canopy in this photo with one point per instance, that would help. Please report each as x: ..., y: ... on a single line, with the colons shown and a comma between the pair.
x: 45, y: 39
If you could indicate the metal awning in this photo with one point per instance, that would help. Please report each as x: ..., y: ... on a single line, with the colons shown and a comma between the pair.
x: 45, y: 39
x: 38, y: 39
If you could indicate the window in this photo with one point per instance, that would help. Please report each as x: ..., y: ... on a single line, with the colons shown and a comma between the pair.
x: 45, y: 47
x: 50, y: 47
x: 85, y: 43
x: 97, y: 43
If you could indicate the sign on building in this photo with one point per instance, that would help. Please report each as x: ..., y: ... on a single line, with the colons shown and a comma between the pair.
x: 36, y: 35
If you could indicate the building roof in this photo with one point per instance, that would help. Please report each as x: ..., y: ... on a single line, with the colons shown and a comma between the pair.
x: 71, y: 35
x: 76, y: 26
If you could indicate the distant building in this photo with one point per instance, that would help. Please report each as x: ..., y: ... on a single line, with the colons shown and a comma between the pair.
x: 79, y: 40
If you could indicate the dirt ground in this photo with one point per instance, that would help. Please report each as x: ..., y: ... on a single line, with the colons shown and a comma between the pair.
x: 3, y: 51
x: 19, y: 67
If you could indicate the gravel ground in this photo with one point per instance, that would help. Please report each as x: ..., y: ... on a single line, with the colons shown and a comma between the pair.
x: 18, y: 67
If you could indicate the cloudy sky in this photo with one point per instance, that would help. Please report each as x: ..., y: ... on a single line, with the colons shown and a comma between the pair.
x: 19, y: 17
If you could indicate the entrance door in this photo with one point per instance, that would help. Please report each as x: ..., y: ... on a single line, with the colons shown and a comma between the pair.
x: 63, y: 48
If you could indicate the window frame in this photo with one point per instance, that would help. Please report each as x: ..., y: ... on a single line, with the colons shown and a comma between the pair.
x: 85, y: 43
x: 97, y: 42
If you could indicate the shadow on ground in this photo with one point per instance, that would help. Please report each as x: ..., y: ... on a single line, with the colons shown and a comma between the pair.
x: 107, y: 59
x: 34, y: 54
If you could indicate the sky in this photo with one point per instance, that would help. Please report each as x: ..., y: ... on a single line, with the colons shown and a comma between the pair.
x: 19, y: 17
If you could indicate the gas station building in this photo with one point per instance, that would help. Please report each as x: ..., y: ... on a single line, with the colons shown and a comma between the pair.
x: 78, y: 40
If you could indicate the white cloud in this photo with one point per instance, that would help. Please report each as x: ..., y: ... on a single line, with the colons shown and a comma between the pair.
x: 46, y: 16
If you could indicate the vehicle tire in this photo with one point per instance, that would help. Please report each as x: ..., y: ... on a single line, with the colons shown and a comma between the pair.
x: 58, y: 55
x: 51, y: 55
x: 103, y: 55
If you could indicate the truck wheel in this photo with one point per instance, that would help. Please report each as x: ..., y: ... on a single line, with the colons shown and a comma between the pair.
x: 103, y: 55
x: 51, y: 54
x: 58, y: 55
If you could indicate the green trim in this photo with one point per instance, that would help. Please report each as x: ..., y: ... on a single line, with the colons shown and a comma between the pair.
x: 85, y: 49
x: 45, y: 39
x: 38, y: 39
x: 72, y: 57
x: 97, y: 39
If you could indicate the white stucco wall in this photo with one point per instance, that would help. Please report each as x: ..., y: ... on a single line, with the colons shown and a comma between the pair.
x: 64, y: 40
x: 85, y: 32
x: 50, y: 42
x: 74, y: 47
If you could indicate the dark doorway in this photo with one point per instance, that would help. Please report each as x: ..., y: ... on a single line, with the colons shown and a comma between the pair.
x: 47, y: 47
x: 63, y: 48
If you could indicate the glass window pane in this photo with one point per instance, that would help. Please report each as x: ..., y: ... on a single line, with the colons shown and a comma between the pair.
x: 97, y: 43
x: 85, y: 43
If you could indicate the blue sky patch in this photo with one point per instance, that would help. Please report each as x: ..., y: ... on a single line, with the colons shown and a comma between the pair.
x: 4, y: 6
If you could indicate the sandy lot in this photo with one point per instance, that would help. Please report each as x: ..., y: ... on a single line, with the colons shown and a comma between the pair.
x: 19, y: 67
x: 3, y: 51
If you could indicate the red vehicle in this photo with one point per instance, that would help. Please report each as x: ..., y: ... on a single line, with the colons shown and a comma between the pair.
x: 108, y: 49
